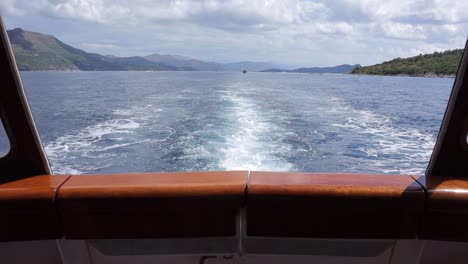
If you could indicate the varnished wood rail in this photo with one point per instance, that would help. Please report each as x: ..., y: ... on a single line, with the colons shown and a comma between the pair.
x: 207, y: 204
x: 333, y: 205
x: 446, y: 214
x: 28, y: 209
x: 152, y: 205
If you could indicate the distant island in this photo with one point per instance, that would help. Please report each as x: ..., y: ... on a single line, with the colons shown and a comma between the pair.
x: 35, y: 51
x: 437, y: 64
x: 345, y: 68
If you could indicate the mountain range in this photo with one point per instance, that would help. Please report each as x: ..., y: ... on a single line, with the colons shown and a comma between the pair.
x: 36, y: 51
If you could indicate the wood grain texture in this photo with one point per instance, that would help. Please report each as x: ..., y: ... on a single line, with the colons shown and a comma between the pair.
x: 27, y: 208
x: 446, y: 215
x: 448, y: 195
x: 333, y: 205
x: 332, y: 184
x: 152, y: 205
x: 146, y: 185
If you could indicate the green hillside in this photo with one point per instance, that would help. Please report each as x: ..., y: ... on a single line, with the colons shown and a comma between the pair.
x: 36, y: 51
x: 441, y: 64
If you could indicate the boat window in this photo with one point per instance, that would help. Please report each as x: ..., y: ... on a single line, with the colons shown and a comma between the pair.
x: 4, y: 141
x: 129, y: 90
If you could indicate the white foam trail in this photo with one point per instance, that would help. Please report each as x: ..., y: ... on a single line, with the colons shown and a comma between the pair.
x: 388, y: 148
x: 94, y: 142
x: 254, y: 144
x: 85, y: 142
x: 85, y: 138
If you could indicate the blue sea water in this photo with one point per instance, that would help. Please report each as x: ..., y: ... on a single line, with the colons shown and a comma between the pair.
x: 101, y: 122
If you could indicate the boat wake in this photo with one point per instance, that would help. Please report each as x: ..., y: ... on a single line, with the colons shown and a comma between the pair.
x: 380, y: 144
x: 255, y: 141
x: 98, y: 146
x: 252, y: 124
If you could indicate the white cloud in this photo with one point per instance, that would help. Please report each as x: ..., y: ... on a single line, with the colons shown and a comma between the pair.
x: 404, y: 31
x: 450, y: 11
x: 122, y: 11
x: 9, y: 6
x: 301, y: 31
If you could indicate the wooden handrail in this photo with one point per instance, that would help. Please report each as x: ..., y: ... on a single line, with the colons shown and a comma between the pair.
x: 207, y: 204
x: 333, y: 205
x: 154, y: 205
x: 446, y: 214
x: 28, y: 209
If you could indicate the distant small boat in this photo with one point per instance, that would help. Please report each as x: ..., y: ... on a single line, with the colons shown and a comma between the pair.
x: 244, y: 71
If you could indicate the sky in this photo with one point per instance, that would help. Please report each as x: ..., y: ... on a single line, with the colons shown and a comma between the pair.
x: 295, y: 32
